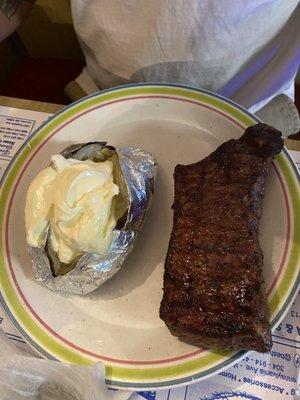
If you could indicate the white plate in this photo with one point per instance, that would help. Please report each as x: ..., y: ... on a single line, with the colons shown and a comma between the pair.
x: 119, y: 323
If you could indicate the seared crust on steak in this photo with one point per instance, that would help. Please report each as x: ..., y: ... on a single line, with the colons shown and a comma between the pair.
x: 213, y: 283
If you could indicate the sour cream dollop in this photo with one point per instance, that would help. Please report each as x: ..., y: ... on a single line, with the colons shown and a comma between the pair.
x: 75, y: 200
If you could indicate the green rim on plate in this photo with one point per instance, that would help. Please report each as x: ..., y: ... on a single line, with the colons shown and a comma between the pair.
x: 142, y: 376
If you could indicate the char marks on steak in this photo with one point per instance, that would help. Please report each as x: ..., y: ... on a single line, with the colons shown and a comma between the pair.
x: 213, y: 282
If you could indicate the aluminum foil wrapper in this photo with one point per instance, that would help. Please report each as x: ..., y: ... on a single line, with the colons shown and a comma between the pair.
x: 92, y: 270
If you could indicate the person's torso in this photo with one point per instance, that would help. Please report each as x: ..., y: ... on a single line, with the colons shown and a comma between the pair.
x: 199, y: 42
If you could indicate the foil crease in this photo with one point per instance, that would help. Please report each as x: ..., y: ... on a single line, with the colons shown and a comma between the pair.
x: 92, y: 270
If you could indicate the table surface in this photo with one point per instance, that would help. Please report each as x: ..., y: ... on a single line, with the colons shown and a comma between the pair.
x: 52, y: 108
x: 30, y: 105
x: 291, y: 144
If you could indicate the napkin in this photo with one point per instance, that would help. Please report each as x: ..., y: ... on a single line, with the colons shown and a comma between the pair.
x: 27, y: 377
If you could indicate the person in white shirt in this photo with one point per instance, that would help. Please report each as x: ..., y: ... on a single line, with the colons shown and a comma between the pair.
x: 247, y: 50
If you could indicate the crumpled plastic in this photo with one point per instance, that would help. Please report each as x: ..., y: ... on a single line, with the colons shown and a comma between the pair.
x: 24, y: 377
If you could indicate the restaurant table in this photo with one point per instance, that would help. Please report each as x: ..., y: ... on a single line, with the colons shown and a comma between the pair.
x: 30, y: 105
x: 233, y: 374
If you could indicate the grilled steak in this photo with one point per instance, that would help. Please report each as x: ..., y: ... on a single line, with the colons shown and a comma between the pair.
x: 213, y: 284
